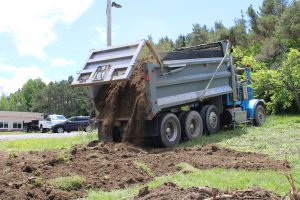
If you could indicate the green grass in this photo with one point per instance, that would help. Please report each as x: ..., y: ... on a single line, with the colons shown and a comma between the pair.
x: 11, y: 132
x: 38, y: 144
x: 143, y: 167
x: 279, y: 138
x: 114, y: 194
x: 225, y: 179
x: 67, y: 183
x: 186, y: 168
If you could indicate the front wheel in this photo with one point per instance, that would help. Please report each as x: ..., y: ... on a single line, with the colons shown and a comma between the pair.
x: 169, y: 130
x: 259, y: 115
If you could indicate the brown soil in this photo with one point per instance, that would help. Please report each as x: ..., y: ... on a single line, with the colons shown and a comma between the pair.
x: 126, y: 99
x: 108, y: 166
x: 171, y: 192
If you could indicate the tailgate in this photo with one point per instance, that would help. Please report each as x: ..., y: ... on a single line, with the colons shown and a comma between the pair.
x: 109, y: 64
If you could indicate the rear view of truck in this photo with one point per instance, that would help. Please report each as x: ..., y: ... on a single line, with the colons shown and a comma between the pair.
x: 139, y: 94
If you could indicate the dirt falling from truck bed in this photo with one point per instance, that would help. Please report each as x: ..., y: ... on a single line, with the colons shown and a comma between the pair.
x: 126, y: 99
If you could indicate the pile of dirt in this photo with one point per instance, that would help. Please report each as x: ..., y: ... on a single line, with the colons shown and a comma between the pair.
x: 108, y: 166
x: 172, y: 192
x: 125, y: 99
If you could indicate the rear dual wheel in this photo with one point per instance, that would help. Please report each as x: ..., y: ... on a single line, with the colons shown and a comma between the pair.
x: 191, y: 125
x: 169, y: 130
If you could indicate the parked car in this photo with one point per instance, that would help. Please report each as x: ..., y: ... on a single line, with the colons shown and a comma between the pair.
x: 75, y: 123
x: 50, y: 121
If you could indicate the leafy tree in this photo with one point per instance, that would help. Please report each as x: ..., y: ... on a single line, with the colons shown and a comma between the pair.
x: 61, y: 98
x: 220, y: 31
x: 199, y: 35
x: 180, y: 42
x: 4, y: 103
x: 165, y: 44
x: 30, y: 89
x: 290, y: 24
x: 290, y: 74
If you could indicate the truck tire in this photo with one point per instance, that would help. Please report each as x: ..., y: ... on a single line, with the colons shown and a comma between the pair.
x: 212, y: 119
x: 169, y: 130
x: 203, y: 116
x: 259, y: 115
x: 191, y: 125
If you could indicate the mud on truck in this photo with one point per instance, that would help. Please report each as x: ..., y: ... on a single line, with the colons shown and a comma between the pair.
x: 139, y: 94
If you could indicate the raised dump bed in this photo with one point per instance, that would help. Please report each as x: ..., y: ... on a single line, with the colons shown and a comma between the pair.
x: 138, y: 96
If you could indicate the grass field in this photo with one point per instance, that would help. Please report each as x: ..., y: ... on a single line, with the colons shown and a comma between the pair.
x: 11, y: 132
x: 38, y: 144
x: 279, y: 138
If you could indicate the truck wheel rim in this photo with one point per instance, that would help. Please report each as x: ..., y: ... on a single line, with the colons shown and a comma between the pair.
x: 213, y: 119
x: 261, y: 116
x: 171, y: 131
x: 192, y: 127
x: 60, y: 130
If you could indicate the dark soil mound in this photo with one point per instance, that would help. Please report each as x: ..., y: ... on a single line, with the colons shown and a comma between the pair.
x: 171, y: 192
x: 108, y: 166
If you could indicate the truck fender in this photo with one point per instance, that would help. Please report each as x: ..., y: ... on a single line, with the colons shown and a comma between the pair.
x: 251, y: 107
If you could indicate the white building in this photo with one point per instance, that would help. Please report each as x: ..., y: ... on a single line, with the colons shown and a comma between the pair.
x: 10, y: 120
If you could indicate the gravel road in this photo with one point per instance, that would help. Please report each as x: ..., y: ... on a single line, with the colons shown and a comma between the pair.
x: 38, y: 135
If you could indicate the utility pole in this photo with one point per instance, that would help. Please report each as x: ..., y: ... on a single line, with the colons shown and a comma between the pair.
x: 108, y: 15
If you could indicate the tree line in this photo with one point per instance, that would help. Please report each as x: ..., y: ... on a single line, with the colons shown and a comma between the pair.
x: 269, y: 42
x: 53, y: 98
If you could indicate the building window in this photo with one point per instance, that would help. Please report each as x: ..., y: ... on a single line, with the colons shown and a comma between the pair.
x: 3, y: 125
x: 17, y: 125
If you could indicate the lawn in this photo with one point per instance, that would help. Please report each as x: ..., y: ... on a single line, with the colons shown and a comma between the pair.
x: 224, y: 179
x: 11, y: 132
x: 38, y: 144
x: 279, y: 138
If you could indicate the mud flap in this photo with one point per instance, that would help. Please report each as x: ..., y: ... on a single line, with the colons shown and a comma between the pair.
x: 151, y: 127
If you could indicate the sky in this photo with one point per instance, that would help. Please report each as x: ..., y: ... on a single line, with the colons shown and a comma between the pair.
x: 51, y: 39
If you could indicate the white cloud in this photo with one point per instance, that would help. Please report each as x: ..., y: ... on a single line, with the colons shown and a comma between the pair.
x: 21, y: 75
x: 31, y: 22
x: 101, y: 33
x: 7, y: 68
x: 60, y: 62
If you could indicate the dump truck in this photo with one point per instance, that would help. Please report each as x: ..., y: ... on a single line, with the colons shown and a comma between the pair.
x: 188, y: 91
